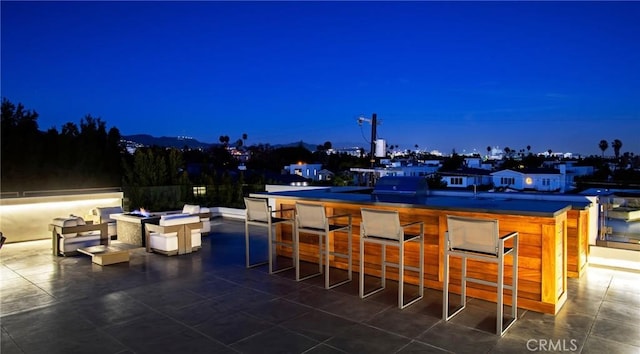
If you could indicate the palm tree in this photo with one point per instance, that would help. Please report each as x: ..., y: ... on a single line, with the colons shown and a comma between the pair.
x: 604, y: 145
x: 616, y: 145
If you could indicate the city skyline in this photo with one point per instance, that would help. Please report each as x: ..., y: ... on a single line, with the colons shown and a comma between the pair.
x: 440, y: 75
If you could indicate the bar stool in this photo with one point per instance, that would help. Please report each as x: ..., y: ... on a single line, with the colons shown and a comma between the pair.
x: 479, y: 239
x: 311, y: 219
x: 259, y: 213
x: 383, y: 227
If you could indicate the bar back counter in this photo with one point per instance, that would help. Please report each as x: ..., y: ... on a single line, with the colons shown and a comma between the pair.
x: 553, y: 235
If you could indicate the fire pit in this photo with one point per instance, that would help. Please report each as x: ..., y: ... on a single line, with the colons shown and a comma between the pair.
x: 130, y: 226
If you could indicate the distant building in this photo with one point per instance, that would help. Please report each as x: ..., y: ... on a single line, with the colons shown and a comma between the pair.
x: 310, y: 171
x: 239, y: 154
x: 325, y: 175
x: 351, y: 151
x: 477, y: 162
x: 570, y: 171
x: 539, y: 179
x: 467, y: 177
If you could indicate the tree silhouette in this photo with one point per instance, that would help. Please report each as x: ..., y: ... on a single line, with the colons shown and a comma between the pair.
x: 453, y: 163
x: 84, y: 157
x: 604, y: 145
x: 616, y: 145
x: 224, y: 139
x: 244, y: 139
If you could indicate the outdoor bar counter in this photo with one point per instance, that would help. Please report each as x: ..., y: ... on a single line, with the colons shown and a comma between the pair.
x: 542, y: 225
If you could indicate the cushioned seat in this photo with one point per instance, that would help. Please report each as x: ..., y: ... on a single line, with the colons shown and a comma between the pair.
x: 71, y: 233
x: 204, y: 214
x: 174, y: 234
x: 103, y: 215
x: 169, y: 241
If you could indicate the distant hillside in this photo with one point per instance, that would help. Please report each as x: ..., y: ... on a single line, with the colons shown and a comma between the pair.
x: 165, y: 141
x: 177, y: 142
x: 308, y: 146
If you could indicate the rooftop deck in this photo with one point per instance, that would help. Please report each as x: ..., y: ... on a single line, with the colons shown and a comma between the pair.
x: 207, y: 302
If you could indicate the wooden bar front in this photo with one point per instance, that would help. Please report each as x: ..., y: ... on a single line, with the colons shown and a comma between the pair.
x: 542, y: 260
x: 577, y: 242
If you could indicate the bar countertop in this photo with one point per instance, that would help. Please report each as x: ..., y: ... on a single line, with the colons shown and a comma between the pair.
x: 497, y: 205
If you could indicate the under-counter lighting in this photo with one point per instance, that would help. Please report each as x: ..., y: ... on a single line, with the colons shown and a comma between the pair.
x: 37, y: 207
x: 28, y: 218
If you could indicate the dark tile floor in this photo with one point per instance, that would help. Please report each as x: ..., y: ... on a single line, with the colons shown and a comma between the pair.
x: 207, y: 302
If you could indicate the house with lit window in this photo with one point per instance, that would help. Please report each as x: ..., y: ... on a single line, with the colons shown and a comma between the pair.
x: 538, y: 179
x: 325, y: 175
x: 310, y: 171
x: 466, y: 177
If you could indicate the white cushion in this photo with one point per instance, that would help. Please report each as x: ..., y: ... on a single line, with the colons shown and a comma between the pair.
x: 70, y: 244
x: 104, y: 213
x: 191, y: 209
x: 196, y: 239
x: 164, y: 242
x: 65, y: 222
x: 206, y: 226
x: 95, y: 233
x: 169, y: 241
x: 68, y: 222
x: 178, y: 219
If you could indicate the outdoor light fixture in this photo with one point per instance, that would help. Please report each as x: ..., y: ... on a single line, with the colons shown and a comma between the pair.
x: 528, y: 180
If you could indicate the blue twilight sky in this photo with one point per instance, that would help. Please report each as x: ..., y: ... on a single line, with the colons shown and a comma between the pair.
x: 442, y: 75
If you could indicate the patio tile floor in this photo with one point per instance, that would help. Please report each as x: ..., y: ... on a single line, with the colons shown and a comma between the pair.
x: 207, y: 302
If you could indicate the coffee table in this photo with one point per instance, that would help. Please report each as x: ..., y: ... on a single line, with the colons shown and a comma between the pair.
x: 116, y: 252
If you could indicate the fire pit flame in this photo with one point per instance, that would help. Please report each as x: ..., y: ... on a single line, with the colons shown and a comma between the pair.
x: 141, y: 212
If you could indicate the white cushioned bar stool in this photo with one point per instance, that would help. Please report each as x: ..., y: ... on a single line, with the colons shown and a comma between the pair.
x: 259, y: 213
x: 383, y: 227
x: 479, y: 239
x: 311, y: 218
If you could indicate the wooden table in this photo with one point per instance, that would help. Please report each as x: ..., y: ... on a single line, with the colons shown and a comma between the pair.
x: 116, y: 252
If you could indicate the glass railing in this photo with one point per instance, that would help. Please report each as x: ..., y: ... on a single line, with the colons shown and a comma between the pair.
x: 620, y: 221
